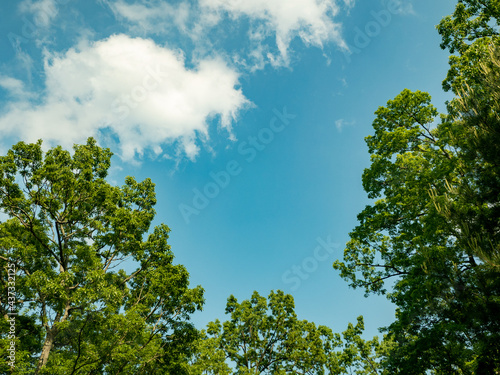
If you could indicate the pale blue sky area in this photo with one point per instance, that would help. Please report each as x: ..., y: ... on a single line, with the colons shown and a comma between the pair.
x: 250, y: 117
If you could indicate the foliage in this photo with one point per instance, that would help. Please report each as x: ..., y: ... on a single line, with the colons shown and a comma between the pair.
x: 68, y: 234
x: 466, y: 32
x: 434, y: 225
x: 473, y: 204
x: 266, y: 337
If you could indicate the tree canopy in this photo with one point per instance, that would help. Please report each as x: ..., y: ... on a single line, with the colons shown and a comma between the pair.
x: 68, y: 234
x: 434, y: 225
x: 266, y: 337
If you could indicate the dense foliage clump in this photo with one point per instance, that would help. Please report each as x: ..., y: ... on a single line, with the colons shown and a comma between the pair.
x: 68, y: 235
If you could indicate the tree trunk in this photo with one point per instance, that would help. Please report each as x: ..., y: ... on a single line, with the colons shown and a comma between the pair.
x: 49, y: 339
x: 47, y: 347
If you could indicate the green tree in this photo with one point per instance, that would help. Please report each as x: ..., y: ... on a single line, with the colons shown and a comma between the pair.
x: 266, y: 337
x: 472, y: 34
x: 69, y: 233
x: 472, y: 203
x: 434, y: 225
x: 447, y: 298
x: 473, y: 25
x: 356, y: 355
x: 474, y: 77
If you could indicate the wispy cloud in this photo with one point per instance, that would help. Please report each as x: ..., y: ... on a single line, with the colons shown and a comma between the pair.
x: 340, y: 124
x: 37, y: 17
x: 310, y: 20
x: 14, y: 88
x: 349, y: 3
x: 127, y: 89
x: 273, y: 24
x: 403, y: 7
x: 154, y: 18
x: 43, y: 11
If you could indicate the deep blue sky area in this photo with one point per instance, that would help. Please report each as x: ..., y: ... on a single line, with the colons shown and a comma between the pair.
x: 250, y: 117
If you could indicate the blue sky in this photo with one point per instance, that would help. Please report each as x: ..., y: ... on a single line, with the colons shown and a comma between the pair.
x: 249, y: 116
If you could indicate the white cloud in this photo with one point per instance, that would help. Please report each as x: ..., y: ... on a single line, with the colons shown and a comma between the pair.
x: 152, y: 18
x: 340, y: 124
x: 13, y: 87
x: 274, y: 24
x: 44, y: 11
x: 310, y: 20
x: 126, y: 88
x: 349, y: 3
x: 403, y: 7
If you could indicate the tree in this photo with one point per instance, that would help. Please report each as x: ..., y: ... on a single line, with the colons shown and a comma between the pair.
x: 473, y: 24
x: 473, y: 203
x: 68, y: 234
x: 472, y: 33
x: 265, y: 337
x: 447, y: 297
x: 434, y: 226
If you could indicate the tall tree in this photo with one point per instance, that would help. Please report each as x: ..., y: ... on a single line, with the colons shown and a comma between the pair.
x: 447, y: 297
x: 434, y: 226
x: 68, y: 235
x: 471, y: 33
x: 266, y: 337
x: 473, y: 25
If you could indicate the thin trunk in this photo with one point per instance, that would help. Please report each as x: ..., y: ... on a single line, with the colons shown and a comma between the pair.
x: 49, y: 339
x: 47, y: 347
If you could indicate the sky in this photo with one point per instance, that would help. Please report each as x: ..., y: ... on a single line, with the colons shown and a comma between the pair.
x: 249, y: 116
